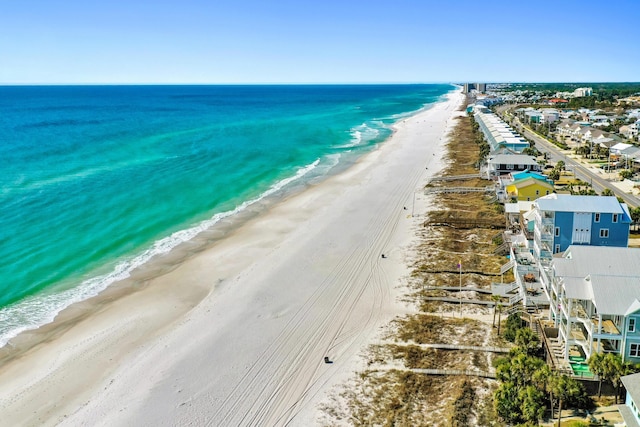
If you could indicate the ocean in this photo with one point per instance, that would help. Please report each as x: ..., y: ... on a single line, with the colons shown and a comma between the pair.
x: 98, y: 180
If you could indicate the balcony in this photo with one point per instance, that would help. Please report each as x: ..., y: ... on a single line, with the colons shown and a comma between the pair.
x: 578, y: 311
x: 578, y: 333
x: 524, y: 258
x: 607, y: 345
x: 546, y: 219
x: 608, y: 327
x: 528, y: 278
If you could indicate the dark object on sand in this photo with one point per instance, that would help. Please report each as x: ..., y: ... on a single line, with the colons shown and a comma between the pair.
x: 326, y: 360
x: 383, y: 256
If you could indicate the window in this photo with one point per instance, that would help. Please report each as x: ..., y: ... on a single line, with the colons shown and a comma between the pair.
x: 537, y: 192
x: 632, y: 325
x: 604, y: 233
x: 547, y: 191
x: 509, y: 166
x: 597, y: 218
x: 615, y: 218
x: 556, y: 249
x: 557, y: 231
x: 634, y: 350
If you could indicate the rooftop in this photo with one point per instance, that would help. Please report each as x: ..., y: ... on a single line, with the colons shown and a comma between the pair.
x: 513, y: 159
x: 614, y: 295
x: 575, y: 203
x: 582, y: 260
x: 632, y: 384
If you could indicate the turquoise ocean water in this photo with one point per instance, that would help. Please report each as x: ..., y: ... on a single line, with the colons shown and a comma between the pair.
x: 96, y: 180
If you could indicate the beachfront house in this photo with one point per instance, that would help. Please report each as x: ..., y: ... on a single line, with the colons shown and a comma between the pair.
x: 556, y: 222
x: 595, y: 302
x: 528, y: 185
x: 501, y: 164
x: 562, y: 220
x: 524, y: 186
x: 629, y: 411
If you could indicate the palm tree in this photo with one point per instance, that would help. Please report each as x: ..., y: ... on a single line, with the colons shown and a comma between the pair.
x: 527, y: 340
x: 614, y: 369
x: 565, y: 388
x: 542, y: 379
x: 597, y: 366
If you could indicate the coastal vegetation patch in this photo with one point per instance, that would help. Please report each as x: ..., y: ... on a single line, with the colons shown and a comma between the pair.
x: 449, y: 287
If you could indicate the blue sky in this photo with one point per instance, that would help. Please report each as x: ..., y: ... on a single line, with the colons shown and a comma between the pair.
x: 321, y: 41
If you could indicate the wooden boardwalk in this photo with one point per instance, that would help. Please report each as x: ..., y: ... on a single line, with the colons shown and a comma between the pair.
x: 455, y: 177
x: 452, y: 271
x: 458, y: 300
x: 458, y: 289
x: 464, y: 223
x: 461, y: 190
x: 458, y: 372
x: 488, y: 349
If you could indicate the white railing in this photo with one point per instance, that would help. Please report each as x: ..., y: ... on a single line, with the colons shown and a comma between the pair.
x: 506, y: 267
x: 515, y: 298
x: 503, y: 289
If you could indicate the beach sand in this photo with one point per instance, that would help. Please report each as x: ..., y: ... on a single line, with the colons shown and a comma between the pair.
x: 237, y: 334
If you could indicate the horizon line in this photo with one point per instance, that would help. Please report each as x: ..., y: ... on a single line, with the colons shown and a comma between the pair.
x: 455, y: 83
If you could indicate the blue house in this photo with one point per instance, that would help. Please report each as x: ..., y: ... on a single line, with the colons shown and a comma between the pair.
x: 562, y: 220
x: 629, y: 410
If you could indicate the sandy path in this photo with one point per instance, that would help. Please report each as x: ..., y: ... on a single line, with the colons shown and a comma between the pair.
x: 304, y: 280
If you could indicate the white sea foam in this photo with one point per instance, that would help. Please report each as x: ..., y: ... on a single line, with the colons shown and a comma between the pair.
x: 38, y: 310
x: 362, y: 134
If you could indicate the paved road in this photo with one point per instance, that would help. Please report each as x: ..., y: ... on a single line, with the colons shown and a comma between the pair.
x: 582, y: 172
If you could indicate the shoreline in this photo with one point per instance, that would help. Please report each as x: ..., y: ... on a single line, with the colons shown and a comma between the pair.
x: 135, y: 269
x: 246, y: 321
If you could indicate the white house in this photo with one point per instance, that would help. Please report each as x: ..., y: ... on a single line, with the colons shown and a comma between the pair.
x: 596, y: 301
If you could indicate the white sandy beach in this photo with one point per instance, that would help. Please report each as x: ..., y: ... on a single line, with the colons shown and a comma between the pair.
x: 236, y: 335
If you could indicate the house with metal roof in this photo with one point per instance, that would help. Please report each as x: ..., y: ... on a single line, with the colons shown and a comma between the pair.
x: 501, y: 164
x: 559, y: 221
x: 529, y: 188
x: 562, y: 220
x: 595, y: 301
x: 498, y: 134
x: 629, y: 411
x: 524, y: 186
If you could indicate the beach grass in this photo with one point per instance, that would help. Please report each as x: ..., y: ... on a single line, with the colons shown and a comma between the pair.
x: 402, y: 397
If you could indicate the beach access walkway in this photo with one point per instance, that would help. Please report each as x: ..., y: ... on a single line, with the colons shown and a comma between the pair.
x: 456, y: 372
x: 442, y: 190
x: 442, y: 346
x: 455, y: 177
